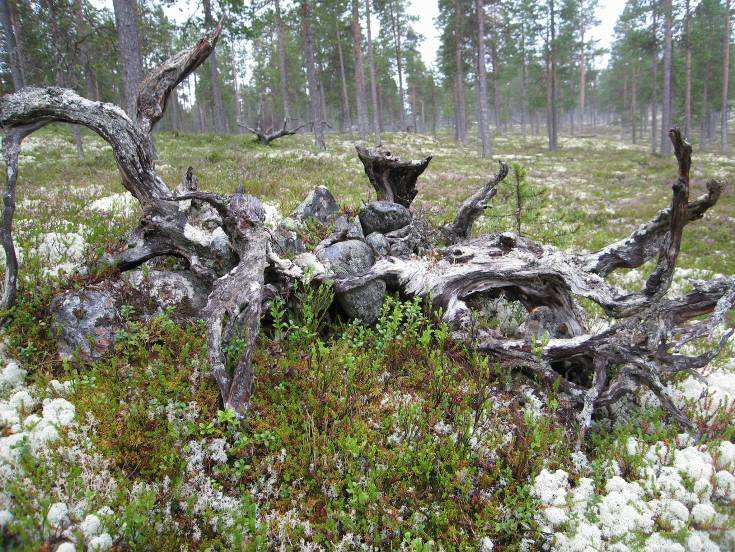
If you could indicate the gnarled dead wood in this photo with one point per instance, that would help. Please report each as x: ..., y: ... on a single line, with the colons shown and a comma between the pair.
x: 234, y: 306
x: 643, y: 340
x: 393, y: 178
x: 164, y: 229
x: 265, y: 137
x: 11, y: 150
x: 646, y: 330
x: 645, y: 242
x: 156, y: 88
x: 472, y: 208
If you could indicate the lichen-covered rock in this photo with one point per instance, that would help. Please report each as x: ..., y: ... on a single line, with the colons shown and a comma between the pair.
x: 383, y: 217
x: 350, y: 226
x: 84, y: 321
x: 354, y: 258
x: 180, y: 290
x: 379, y: 243
x: 319, y: 204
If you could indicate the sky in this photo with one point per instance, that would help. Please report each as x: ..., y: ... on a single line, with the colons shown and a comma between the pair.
x: 427, y: 10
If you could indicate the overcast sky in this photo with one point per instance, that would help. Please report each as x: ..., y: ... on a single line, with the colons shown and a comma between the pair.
x: 427, y: 10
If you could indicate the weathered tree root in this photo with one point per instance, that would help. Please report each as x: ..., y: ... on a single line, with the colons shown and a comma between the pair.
x: 643, y: 341
x: 234, y: 306
x: 646, y: 325
x: 265, y: 137
x: 393, y: 178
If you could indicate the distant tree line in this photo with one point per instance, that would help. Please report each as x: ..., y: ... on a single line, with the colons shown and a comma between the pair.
x: 502, y: 64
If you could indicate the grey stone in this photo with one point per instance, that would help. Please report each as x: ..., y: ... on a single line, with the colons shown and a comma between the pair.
x: 351, y: 227
x: 169, y: 289
x: 354, y: 258
x: 318, y: 204
x: 383, y: 217
x: 287, y: 240
x: 379, y: 243
x: 85, y: 322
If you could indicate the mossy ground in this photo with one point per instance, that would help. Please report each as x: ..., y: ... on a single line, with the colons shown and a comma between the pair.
x: 388, y: 434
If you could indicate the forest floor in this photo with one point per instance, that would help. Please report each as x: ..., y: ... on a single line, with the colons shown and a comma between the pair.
x: 358, y: 438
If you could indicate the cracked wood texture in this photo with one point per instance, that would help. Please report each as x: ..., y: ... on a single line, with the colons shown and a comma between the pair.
x: 393, y: 178
x: 646, y: 332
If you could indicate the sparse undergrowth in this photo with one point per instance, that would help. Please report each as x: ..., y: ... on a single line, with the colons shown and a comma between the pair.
x: 384, y: 437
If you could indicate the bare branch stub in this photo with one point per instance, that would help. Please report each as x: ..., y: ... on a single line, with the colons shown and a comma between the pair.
x: 393, y: 178
x: 645, y: 242
x: 471, y: 209
x: 157, y: 87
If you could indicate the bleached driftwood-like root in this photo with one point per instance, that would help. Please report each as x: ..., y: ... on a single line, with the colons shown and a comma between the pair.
x: 233, y: 309
x: 554, y: 344
x: 643, y: 341
x: 11, y: 150
x: 393, y: 178
x: 265, y: 137
x: 645, y: 242
x: 234, y: 306
x: 162, y: 230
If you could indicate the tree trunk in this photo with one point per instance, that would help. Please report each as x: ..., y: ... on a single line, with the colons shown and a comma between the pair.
x: 434, y: 112
x: 666, y: 108
x: 524, y: 77
x: 344, y: 119
x: 62, y: 68
x: 582, y: 67
x: 377, y: 116
x: 10, y: 46
x: 626, y: 104
x: 654, y: 85
x: 633, y: 98
x: 399, y: 64
x: 238, y: 97
x: 128, y: 45
x: 482, y: 81
x: 496, y: 65
x: 703, y: 134
x: 725, y: 78
x: 280, y: 36
x: 360, y: 98
x: 553, y: 116
x: 317, y: 116
x: 220, y: 124
x: 688, y: 91
x: 460, y: 106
